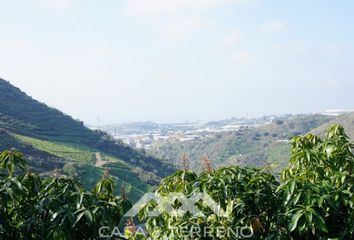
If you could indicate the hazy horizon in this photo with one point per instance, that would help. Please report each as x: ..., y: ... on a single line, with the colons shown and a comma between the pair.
x: 179, y: 60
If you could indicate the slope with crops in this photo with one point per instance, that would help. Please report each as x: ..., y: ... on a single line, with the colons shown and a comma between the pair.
x: 53, y: 140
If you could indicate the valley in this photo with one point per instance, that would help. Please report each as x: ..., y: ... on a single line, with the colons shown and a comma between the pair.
x: 237, y: 141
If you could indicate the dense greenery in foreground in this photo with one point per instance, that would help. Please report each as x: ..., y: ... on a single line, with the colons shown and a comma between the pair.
x: 313, y: 199
x: 55, y: 207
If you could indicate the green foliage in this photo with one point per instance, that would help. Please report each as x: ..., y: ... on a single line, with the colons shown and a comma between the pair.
x: 11, y: 158
x: 121, y: 176
x: 318, y: 186
x: 55, y: 207
x: 247, y: 196
x: 313, y: 200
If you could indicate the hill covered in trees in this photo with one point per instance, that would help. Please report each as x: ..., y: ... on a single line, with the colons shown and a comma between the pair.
x: 52, y: 140
x: 249, y: 146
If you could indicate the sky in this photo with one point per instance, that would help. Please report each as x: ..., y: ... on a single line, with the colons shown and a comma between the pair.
x: 180, y: 60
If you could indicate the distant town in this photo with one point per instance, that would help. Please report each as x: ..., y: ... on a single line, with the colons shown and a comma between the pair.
x: 145, y: 134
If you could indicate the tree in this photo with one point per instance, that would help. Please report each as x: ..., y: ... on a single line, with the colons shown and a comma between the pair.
x: 55, y: 207
x: 247, y: 196
x: 9, y: 159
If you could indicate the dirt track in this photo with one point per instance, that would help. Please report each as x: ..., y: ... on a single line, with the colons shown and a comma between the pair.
x: 99, y: 160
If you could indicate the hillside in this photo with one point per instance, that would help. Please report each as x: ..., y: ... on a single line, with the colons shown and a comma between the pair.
x: 346, y: 120
x: 247, y: 146
x: 52, y: 140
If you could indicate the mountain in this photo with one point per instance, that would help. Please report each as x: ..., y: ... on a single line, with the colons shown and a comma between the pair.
x: 251, y: 146
x: 53, y: 140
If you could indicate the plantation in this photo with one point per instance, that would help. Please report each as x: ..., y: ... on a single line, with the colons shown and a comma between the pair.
x: 88, y: 176
x: 80, y: 165
x: 68, y: 151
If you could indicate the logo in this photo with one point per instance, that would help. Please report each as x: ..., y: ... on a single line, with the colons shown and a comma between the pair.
x: 178, y: 204
x: 165, y: 205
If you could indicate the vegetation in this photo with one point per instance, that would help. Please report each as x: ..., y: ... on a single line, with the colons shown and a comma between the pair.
x: 314, y: 199
x: 122, y: 177
x: 40, y: 161
x: 55, y: 207
x: 67, y: 151
x: 81, y: 166
x: 71, y: 160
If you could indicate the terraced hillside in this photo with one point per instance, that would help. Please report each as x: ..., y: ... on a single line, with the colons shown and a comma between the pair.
x: 70, y: 152
x: 76, y: 161
x: 40, y: 161
x: 84, y: 159
x: 52, y: 140
x: 247, y: 146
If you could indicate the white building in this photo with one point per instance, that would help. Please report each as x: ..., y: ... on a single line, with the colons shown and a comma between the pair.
x: 337, y: 112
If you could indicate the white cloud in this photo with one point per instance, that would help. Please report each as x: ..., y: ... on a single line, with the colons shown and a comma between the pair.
x: 274, y: 26
x: 243, y: 56
x: 159, y: 7
x: 182, y: 28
